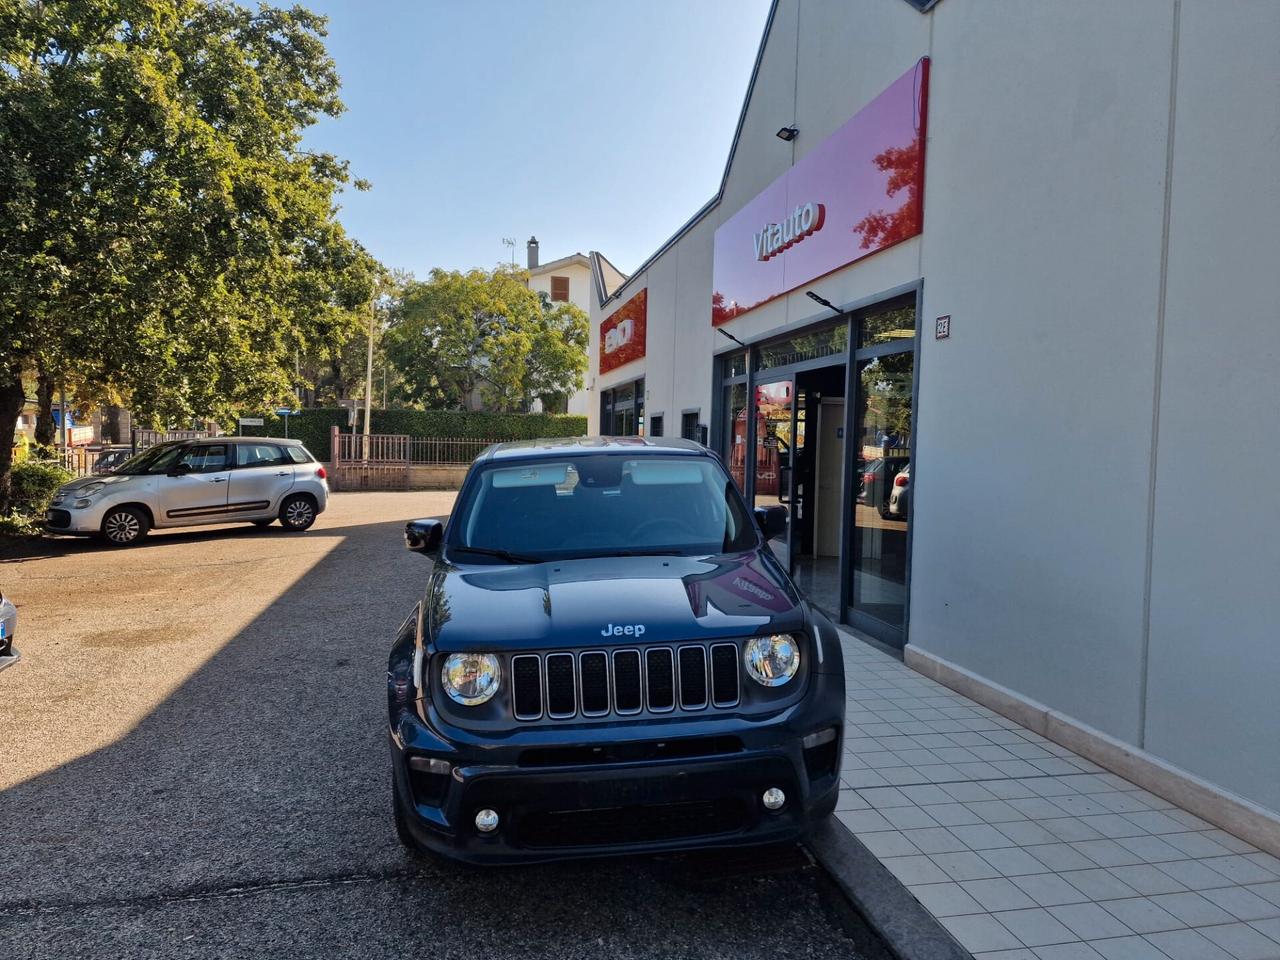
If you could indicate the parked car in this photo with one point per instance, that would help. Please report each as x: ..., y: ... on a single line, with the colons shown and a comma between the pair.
x: 8, y: 626
x: 109, y: 460
x: 900, y: 496
x: 876, y: 488
x: 607, y: 658
x: 189, y: 482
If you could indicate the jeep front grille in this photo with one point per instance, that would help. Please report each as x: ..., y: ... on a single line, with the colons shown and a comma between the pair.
x: 596, y: 683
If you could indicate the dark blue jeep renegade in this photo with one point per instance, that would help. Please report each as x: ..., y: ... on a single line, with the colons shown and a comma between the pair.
x: 609, y: 659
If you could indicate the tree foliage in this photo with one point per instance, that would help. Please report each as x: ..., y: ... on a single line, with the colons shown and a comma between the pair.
x: 484, y: 339
x: 164, y: 237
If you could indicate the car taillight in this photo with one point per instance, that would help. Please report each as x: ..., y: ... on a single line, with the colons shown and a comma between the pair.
x: 900, y: 480
x: 869, y: 477
x: 320, y: 473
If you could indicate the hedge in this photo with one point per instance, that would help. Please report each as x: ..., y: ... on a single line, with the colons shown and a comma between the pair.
x: 312, y: 426
x: 34, y: 482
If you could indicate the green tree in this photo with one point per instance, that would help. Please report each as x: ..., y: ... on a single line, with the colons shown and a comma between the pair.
x: 558, y: 359
x: 484, y: 339
x: 164, y: 237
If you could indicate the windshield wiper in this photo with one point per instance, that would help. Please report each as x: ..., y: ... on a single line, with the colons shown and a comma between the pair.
x: 506, y: 555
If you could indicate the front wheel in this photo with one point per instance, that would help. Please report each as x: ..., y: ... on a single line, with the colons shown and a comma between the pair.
x: 298, y: 512
x: 125, y: 526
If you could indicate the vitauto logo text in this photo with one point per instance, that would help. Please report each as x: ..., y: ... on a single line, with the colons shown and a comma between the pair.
x: 800, y: 223
x: 620, y: 335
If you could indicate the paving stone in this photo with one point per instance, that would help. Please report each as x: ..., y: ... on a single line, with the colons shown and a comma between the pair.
x: 980, y: 932
x: 1088, y: 921
x: 1036, y: 927
x: 946, y: 899
x: 1242, y: 941
x: 1048, y: 889
x: 1141, y: 915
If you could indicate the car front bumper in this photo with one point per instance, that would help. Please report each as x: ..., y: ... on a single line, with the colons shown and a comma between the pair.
x: 63, y: 518
x: 549, y: 809
x: 8, y: 626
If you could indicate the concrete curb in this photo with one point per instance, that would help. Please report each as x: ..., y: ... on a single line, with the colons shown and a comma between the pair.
x: 909, y: 930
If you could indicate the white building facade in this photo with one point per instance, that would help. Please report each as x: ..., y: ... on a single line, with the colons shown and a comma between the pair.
x: 568, y: 280
x: 1032, y: 440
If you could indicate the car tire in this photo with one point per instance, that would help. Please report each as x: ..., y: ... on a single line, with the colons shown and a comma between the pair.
x: 402, y: 824
x: 125, y: 526
x: 298, y: 512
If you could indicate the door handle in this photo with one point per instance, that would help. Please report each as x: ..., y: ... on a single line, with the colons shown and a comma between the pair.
x: 284, y: 473
x: 218, y: 480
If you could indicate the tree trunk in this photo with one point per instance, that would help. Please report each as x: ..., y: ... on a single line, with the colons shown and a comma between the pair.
x: 45, y: 432
x: 12, y: 398
x: 111, y: 423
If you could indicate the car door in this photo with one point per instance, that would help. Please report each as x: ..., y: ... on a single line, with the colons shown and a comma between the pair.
x: 194, y: 489
x: 262, y: 475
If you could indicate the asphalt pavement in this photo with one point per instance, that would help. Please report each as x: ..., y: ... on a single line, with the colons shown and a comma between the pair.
x: 193, y: 764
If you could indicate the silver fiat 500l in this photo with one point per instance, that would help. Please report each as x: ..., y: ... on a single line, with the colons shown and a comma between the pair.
x: 190, y: 482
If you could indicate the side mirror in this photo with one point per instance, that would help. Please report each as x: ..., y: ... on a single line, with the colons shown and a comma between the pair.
x: 423, y: 536
x: 180, y: 470
x: 772, y: 520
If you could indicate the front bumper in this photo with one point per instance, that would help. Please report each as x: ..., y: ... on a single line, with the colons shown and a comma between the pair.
x: 63, y: 518
x: 693, y: 782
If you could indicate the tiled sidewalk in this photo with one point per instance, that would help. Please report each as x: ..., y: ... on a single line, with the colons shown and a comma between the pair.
x: 1025, y: 851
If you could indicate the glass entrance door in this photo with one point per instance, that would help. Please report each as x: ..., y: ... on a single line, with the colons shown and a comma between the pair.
x: 882, y: 480
x: 775, y: 412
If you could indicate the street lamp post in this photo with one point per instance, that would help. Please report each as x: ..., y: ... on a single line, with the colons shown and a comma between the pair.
x: 368, y: 369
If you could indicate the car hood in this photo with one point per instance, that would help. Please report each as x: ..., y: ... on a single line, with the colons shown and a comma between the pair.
x: 583, y: 603
x: 111, y: 479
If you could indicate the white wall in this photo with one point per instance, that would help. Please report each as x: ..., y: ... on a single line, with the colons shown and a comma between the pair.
x: 579, y: 274
x: 581, y: 295
x: 1212, y: 704
x: 1044, y: 197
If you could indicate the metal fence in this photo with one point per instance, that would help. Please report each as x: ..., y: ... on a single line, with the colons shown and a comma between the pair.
x: 383, y: 461
x: 83, y: 461
x: 445, y: 451
x: 370, y: 461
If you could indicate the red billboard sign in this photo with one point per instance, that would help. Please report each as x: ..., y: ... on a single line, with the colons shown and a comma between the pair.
x: 858, y: 192
x: 622, y: 334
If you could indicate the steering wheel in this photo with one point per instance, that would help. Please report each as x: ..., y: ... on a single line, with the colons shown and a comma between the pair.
x: 665, y: 523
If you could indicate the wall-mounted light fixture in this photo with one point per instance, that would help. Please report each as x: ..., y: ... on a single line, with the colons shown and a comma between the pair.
x: 822, y: 300
x: 725, y: 333
x: 788, y: 133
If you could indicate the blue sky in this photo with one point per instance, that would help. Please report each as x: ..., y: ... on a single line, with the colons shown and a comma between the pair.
x: 593, y: 124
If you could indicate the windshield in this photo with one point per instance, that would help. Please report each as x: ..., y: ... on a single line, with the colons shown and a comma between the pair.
x: 155, y: 459
x: 601, y: 505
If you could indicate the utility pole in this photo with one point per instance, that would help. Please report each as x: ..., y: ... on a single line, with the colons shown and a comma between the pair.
x: 368, y: 367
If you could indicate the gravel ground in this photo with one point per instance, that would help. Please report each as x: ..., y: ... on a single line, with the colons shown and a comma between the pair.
x: 194, y: 765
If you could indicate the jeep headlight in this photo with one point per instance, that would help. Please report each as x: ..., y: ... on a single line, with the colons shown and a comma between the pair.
x: 470, y: 678
x: 89, y: 489
x: 772, y: 661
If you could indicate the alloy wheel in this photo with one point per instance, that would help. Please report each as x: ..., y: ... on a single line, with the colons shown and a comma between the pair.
x: 299, y: 513
x: 122, y: 527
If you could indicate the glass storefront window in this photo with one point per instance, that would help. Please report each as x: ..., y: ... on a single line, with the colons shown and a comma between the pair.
x: 622, y: 410
x: 734, y: 364
x: 887, y: 325
x: 827, y: 342
x: 735, y: 410
x: 774, y: 449
x: 882, y: 485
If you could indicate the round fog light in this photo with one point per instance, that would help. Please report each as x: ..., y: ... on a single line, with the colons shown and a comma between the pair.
x: 487, y: 821
x: 774, y: 799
